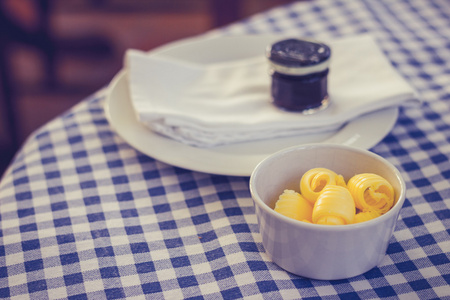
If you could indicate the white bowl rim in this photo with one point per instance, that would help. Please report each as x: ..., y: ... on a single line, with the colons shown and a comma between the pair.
x: 394, y: 210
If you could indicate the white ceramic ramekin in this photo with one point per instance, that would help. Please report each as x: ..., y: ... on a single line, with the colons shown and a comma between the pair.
x: 322, y: 251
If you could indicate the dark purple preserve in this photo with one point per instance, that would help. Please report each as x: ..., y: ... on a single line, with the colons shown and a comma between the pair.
x: 299, y: 70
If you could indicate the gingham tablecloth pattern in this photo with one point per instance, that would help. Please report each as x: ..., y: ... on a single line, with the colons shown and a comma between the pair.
x: 85, y: 216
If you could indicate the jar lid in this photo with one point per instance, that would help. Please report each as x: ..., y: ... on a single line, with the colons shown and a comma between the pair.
x: 299, y: 56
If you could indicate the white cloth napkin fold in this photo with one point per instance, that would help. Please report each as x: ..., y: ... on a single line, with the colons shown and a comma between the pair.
x: 223, y: 103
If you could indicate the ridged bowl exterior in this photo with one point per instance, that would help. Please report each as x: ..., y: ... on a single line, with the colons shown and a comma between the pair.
x: 326, y: 252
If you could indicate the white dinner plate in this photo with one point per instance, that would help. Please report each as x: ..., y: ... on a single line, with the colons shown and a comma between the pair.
x: 235, y: 159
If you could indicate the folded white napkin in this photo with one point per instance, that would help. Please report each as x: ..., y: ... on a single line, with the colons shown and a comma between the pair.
x: 221, y: 103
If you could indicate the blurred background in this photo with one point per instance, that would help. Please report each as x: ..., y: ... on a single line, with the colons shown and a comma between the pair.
x: 55, y: 53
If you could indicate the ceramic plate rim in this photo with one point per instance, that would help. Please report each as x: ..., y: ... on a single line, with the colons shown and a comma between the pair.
x: 229, y: 160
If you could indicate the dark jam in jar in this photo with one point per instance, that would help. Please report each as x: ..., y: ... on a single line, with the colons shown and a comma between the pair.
x: 299, y: 70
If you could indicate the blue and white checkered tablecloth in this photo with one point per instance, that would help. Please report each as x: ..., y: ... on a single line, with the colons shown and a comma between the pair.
x: 85, y: 216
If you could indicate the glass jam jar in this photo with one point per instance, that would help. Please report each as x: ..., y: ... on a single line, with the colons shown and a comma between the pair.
x: 299, y: 71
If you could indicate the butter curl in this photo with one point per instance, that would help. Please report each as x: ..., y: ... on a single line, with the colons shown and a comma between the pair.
x: 366, y: 216
x: 292, y: 205
x: 334, y: 206
x: 315, y: 180
x: 371, y: 192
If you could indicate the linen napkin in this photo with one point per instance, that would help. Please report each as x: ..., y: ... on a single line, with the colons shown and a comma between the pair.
x: 206, y: 105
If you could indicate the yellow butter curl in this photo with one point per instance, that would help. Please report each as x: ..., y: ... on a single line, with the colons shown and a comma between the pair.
x: 292, y: 205
x: 315, y: 180
x: 334, y: 206
x: 371, y: 192
x: 366, y: 216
